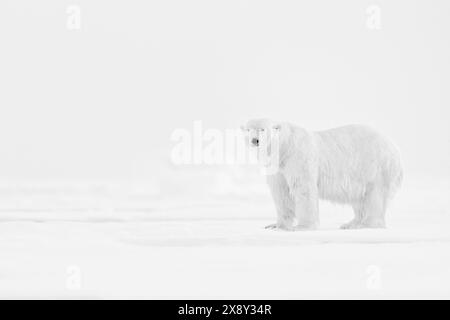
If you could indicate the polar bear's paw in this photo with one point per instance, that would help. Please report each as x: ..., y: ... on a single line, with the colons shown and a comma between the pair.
x: 304, y: 227
x: 354, y: 224
x: 277, y: 226
x: 299, y: 227
x: 372, y: 224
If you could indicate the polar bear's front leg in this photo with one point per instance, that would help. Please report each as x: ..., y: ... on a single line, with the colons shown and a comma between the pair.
x: 306, y: 211
x: 284, y: 203
x: 306, y: 199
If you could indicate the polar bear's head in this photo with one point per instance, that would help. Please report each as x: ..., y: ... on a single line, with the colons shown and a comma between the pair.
x: 260, y: 132
x: 263, y: 136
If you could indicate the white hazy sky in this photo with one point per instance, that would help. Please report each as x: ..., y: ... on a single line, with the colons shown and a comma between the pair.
x: 93, y: 102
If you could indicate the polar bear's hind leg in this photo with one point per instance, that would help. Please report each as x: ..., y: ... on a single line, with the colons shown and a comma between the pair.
x: 356, y: 222
x: 374, y: 208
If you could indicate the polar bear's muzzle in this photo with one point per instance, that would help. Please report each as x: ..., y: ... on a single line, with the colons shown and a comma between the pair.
x: 255, y: 142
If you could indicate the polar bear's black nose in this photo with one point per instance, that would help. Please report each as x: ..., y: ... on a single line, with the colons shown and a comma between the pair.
x: 255, y: 141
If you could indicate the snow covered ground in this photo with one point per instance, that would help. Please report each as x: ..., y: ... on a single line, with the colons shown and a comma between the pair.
x: 109, y: 242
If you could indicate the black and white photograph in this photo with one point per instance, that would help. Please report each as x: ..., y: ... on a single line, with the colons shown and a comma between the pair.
x: 245, y: 150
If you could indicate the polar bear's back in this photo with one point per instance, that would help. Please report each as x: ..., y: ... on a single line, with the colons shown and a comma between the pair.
x: 353, y: 157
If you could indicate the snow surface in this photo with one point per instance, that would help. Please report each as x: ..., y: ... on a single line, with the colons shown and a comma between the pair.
x: 98, y: 241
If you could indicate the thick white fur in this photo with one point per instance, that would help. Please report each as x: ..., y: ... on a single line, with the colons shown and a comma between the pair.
x: 352, y: 165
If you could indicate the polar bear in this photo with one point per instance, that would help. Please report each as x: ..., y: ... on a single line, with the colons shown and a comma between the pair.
x: 352, y: 165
